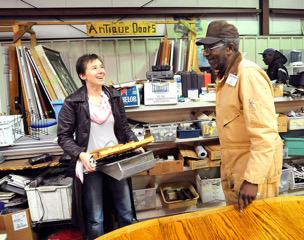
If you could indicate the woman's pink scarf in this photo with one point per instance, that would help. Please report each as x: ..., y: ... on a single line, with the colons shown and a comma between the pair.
x: 100, y: 113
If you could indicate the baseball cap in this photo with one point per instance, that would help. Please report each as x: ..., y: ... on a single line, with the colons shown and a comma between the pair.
x: 269, y: 51
x: 217, y: 30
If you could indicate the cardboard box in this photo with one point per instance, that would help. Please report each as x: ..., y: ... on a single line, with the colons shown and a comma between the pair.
x: 190, y: 156
x: 215, y: 163
x: 282, y: 122
x: 157, y: 93
x: 17, y: 226
x: 130, y: 96
x: 197, y: 164
x: 278, y: 90
x: 214, y: 150
x: 170, y: 166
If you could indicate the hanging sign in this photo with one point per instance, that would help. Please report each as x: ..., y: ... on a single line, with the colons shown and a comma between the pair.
x: 120, y: 28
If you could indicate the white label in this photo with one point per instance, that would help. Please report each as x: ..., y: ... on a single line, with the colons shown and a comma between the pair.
x: 19, y: 221
x: 232, y: 80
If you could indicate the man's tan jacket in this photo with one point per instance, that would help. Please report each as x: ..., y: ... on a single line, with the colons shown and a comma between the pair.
x: 246, y: 120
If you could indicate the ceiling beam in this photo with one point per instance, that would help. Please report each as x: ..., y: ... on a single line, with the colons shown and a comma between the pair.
x: 87, y: 12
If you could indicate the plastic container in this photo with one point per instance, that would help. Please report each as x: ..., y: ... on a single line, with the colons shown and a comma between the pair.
x: 293, y: 184
x: 294, y: 141
x: 57, y: 106
x: 295, y: 123
x: 178, y: 186
x: 50, y: 203
x: 284, y: 182
x: 209, y: 129
x: 144, y: 198
x: 209, y: 190
x: 296, y: 56
x: 189, y: 133
x: 163, y: 133
x: 130, y: 166
x: 11, y: 128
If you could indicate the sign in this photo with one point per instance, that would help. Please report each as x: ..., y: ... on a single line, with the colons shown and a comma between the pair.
x: 160, y: 93
x: 130, y: 96
x: 121, y: 28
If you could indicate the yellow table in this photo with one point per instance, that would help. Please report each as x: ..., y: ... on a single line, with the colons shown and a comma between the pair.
x: 273, y: 218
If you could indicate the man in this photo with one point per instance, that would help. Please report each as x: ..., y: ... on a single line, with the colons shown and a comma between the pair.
x: 275, y: 60
x: 246, y: 120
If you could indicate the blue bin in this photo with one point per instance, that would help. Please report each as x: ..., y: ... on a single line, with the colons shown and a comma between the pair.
x: 189, y: 133
x: 57, y: 106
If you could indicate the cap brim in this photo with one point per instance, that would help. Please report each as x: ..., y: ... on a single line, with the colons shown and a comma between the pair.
x: 208, y: 40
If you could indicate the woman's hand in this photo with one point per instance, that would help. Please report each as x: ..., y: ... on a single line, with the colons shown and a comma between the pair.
x: 85, y: 159
x: 140, y: 150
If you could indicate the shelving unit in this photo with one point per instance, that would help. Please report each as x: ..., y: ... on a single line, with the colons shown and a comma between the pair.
x: 179, y: 112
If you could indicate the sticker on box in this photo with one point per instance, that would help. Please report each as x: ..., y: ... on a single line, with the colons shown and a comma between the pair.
x: 19, y: 221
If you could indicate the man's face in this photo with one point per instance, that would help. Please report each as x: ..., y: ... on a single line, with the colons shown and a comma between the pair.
x: 216, y: 55
x: 267, y: 58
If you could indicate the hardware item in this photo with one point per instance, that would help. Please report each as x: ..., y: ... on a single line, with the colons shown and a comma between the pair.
x: 159, y: 75
x: 46, y: 157
x: 156, y: 68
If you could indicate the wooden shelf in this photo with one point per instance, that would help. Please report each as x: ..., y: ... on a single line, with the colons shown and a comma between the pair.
x: 24, y: 164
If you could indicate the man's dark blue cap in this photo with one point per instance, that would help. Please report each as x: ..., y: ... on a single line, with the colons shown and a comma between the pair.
x: 268, y: 51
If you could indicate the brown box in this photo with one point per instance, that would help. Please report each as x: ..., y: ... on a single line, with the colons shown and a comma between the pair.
x: 215, y: 163
x: 197, y: 164
x: 278, y: 90
x: 170, y: 166
x: 17, y: 226
x: 214, y: 150
x: 190, y: 156
x: 282, y: 122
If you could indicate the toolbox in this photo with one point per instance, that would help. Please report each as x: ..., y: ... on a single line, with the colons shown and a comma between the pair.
x: 129, y: 166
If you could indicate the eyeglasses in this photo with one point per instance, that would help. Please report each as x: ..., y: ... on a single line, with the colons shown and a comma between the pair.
x: 210, y: 49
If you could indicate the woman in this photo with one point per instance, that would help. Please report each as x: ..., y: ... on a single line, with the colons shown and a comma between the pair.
x: 95, y: 113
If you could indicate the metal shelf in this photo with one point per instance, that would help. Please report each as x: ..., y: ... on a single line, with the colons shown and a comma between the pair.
x: 190, y: 105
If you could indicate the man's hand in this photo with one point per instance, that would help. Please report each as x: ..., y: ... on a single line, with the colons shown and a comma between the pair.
x: 248, y: 193
x: 85, y: 159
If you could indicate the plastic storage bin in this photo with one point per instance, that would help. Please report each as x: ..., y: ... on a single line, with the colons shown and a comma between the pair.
x: 189, y: 133
x: 295, y: 123
x: 294, y: 141
x: 50, y: 203
x: 163, y: 133
x: 209, y: 129
x: 11, y: 128
x: 209, y: 190
x: 293, y: 184
x: 284, y: 182
x: 144, y: 198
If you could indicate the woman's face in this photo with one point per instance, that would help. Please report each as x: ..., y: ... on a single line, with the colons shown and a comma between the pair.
x: 95, y: 74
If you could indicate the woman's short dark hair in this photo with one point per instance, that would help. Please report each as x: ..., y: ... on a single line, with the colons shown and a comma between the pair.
x: 82, y: 62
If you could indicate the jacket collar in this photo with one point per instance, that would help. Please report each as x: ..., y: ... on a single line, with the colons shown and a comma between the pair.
x: 81, y: 95
x: 233, y: 66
